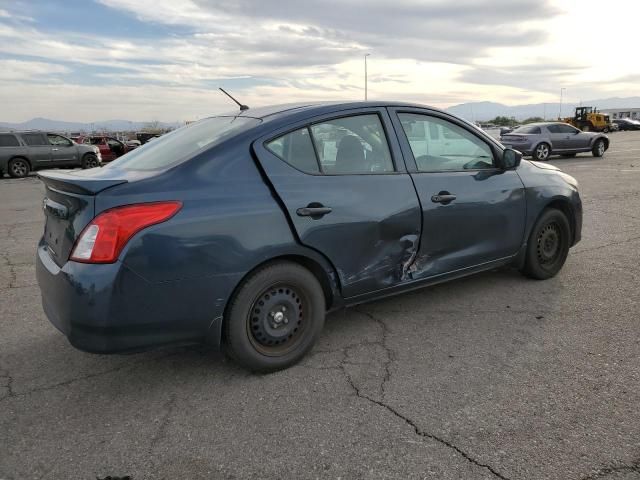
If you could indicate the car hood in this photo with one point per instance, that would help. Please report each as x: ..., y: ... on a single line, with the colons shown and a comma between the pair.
x: 544, y: 166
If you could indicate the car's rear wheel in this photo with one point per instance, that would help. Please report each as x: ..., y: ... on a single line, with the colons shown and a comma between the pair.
x: 275, y: 317
x: 89, y: 160
x: 542, y: 152
x: 548, y: 245
x: 598, y: 148
x: 18, y: 168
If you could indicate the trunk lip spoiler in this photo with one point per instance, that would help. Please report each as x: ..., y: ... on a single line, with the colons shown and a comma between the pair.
x: 67, y: 182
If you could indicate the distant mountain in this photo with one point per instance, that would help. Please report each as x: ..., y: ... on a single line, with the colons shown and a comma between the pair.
x: 484, y: 111
x: 105, y: 125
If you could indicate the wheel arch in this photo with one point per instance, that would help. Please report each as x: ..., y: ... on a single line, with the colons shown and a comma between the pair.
x: 22, y: 157
x: 564, y: 205
x: 314, y: 262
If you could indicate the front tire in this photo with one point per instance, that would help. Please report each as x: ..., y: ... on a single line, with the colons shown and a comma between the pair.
x: 598, y: 148
x: 18, y: 168
x: 89, y: 160
x: 542, y: 152
x: 548, y: 245
x: 275, y: 317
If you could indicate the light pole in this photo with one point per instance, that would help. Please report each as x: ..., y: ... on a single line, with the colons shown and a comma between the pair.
x: 560, y: 114
x: 365, y: 75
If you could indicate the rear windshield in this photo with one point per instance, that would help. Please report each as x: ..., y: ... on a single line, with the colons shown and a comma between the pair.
x: 527, y: 129
x: 183, y: 143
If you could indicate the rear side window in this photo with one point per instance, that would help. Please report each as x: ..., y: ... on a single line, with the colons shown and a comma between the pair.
x: 296, y: 149
x: 342, y: 146
x: 8, y: 140
x: 352, y: 145
x: 183, y: 143
x: 35, y: 139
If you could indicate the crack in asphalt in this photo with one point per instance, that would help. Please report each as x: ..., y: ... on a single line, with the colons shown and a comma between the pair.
x: 613, y: 469
x: 391, y: 357
x: 164, y: 422
x: 13, y: 394
x: 8, y: 385
x: 612, y: 244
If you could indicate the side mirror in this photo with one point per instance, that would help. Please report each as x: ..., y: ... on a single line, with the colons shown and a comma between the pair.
x: 510, y: 158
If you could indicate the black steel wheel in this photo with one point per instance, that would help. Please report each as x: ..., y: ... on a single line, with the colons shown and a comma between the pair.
x: 275, y: 317
x: 18, y: 167
x: 548, y: 245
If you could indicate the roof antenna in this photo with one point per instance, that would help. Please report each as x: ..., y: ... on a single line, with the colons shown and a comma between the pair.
x: 242, y: 107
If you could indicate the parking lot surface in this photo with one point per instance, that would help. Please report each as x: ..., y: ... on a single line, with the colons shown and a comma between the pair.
x: 493, y: 376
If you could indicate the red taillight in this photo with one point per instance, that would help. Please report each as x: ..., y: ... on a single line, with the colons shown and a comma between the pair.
x: 104, y: 238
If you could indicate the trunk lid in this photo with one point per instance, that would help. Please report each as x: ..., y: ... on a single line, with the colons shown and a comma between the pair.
x: 69, y: 205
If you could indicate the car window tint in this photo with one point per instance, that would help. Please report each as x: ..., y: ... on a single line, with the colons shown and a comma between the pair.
x: 58, y: 140
x: 565, y: 129
x: 454, y: 148
x: 352, y: 145
x: 528, y: 129
x: 34, y: 139
x: 183, y: 143
x: 296, y: 149
x: 7, y: 140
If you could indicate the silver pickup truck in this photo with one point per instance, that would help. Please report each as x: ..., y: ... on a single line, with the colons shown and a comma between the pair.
x: 22, y: 152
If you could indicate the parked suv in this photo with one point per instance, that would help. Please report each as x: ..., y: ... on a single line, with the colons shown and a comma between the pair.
x: 21, y: 152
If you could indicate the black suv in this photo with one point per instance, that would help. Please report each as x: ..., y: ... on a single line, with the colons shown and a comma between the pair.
x: 21, y: 152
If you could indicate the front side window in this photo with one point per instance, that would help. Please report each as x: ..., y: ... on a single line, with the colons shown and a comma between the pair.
x: 352, y: 145
x: 452, y: 149
x: 58, y: 140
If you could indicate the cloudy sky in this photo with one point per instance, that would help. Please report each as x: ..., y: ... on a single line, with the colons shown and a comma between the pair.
x: 87, y: 60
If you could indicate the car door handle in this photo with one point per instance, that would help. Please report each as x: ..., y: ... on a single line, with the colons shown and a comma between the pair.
x: 443, y: 198
x: 54, y: 149
x: 313, y: 210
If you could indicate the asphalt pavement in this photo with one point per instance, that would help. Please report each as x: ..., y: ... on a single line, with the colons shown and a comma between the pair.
x: 493, y: 376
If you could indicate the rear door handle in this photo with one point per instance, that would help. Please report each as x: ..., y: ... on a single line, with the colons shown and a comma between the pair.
x: 313, y: 210
x: 443, y: 198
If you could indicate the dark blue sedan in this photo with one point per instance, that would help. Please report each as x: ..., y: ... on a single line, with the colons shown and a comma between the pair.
x: 242, y: 230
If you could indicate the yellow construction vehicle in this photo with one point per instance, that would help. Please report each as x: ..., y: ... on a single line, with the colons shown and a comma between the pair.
x: 588, y: 119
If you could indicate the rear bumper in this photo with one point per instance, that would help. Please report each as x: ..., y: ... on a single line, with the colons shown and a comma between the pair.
x: 111, y: 309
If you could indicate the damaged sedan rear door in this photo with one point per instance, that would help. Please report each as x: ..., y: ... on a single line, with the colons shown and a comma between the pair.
x: 342, y: 180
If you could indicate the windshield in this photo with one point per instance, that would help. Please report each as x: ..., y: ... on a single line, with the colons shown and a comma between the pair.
x: 181, y: 144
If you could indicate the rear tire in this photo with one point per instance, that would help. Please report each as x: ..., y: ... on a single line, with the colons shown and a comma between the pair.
x: 598, y: 148
x: 542, y: 152
x: 18, y: 168
x: 89, y: 160
x: 548, y: 245
x: 275, y: 317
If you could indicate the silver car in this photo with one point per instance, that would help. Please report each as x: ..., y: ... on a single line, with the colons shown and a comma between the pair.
x: 541, y: 140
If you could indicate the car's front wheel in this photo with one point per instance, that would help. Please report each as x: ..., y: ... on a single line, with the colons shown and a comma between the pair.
x: 89, y: 160
x: 548, y: 245
x: 598, y: 148
x: 542, y: 152
x: 18, y: 168
x: 275, y: 317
